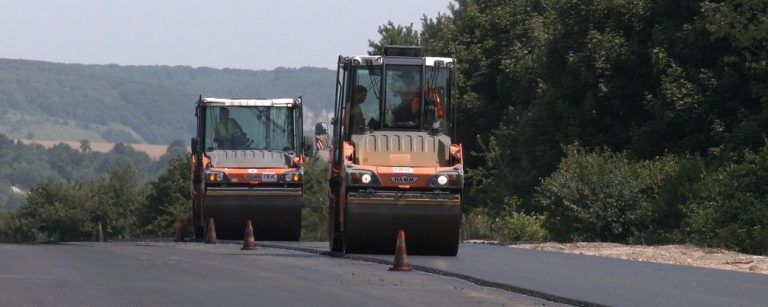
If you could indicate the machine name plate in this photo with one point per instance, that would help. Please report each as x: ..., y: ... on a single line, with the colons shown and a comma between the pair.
x: 404, y: 179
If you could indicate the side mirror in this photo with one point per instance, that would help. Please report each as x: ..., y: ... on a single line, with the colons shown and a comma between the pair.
x: 195, y: 145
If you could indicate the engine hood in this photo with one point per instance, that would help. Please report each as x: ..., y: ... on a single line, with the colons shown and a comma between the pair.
x: 402, y: 148
x: 251, y: 158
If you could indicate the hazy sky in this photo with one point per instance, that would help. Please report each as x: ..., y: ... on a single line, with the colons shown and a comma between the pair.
x: 254, y: 34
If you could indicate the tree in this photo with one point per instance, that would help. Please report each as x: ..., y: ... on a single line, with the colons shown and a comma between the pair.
x: 392, y: 34
x: 435, y: 37
x: 174, y: 150
x: 117, y: 202
x: 167, y: 199
x: 85, y: 146
x: 315, y: 212
x: 57, y: 211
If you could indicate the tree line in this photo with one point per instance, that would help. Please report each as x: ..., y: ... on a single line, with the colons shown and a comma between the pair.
x: 59, y: 210
x: 132, y: 200
x: 25, y: 166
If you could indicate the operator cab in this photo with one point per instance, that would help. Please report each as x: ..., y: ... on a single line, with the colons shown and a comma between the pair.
x: 247, y: 125
x: 399, y: 91
x: 232, y: 132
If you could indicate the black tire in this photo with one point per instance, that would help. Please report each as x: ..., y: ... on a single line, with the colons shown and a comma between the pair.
x: 294, y: 234
x: 337, y: 244
x: 452, y: 250
x: 198, y: 230
x: 336, y: 239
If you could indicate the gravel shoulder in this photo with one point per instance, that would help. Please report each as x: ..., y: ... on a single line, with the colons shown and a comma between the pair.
x: 714, y: 258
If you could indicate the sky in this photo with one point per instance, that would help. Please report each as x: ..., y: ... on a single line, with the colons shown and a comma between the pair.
x: 243, y: 34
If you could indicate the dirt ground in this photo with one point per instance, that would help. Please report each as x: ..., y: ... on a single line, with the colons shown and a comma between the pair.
x: 673, y: 254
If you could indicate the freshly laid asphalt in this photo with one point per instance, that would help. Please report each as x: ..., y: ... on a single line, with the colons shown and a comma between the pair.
x: 195, y: 274
x: 587, y: 280
x: 176, y: 274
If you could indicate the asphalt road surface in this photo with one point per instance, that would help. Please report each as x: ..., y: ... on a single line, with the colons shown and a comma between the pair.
x: 184, y: 274
x: 585, y: 280
x: 299, y: 274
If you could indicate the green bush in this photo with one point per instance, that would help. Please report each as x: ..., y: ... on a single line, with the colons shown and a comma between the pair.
x: 668, y: 209
x: 118, y: 199
x: 510, y: 225
x: 477, y: 225
x: 314, y: 215
x: 602, y: 196
x: 15, y: 230
x: 520, y: 227
x: 56, y: 211
x: 168, y: 199
x: 730, y: 208
x: 506, y: 225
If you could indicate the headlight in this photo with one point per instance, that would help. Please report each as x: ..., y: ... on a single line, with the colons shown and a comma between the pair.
x: 215, y: 177
x: 446, y: 180
x: 292, y: 177
x: 361, y: 177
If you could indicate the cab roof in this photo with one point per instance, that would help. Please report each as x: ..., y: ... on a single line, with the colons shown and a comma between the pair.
x: 379, y: 60
x: 249, y: 102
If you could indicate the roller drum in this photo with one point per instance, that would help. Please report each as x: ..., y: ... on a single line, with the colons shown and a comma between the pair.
x: 274, y: 216
x: 431, y: 228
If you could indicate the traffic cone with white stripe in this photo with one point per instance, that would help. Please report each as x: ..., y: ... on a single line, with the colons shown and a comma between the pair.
x: 210, y: 236
x: 401, y: 256
x: 249, y: 243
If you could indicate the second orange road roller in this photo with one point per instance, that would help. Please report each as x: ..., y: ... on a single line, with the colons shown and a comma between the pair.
x: 248, y: 164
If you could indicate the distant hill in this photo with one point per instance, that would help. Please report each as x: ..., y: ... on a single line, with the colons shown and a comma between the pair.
x: 137, y: 104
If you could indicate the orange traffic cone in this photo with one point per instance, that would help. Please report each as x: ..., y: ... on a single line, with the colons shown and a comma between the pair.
x: 99, y: 232
x: 210, y: 236
x: 179, y: 231
x: 249, y: 243
x: 401, y: 256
